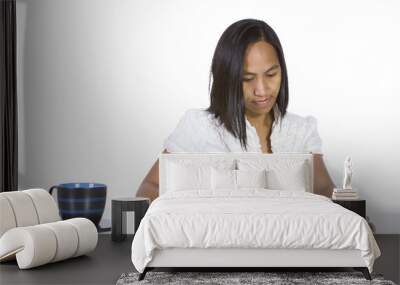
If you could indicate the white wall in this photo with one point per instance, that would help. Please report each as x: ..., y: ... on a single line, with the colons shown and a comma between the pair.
x: 102, y: 84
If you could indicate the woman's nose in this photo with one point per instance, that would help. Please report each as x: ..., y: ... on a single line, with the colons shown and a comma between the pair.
x: 260, y: 87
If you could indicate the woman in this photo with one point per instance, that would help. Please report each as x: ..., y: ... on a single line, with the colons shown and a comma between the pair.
x: 248, y: 102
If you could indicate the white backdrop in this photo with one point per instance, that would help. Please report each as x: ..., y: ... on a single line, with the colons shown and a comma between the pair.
x: 102, y: 83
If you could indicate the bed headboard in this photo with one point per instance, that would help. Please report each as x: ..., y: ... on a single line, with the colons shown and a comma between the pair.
x: 231, y: 157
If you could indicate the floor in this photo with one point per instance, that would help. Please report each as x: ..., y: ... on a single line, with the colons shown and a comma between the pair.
x: 111, y: 259
x: 102, y: 266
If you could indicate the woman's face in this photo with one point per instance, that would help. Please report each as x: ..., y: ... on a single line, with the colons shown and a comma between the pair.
x: 261, y: 78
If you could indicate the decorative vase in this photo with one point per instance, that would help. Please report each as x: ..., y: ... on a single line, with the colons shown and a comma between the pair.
x: 81, y: 199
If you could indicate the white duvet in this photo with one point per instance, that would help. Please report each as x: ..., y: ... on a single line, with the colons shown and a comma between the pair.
x: 251, y: 218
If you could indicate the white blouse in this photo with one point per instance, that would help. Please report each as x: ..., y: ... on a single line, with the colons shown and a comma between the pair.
x: 199, y: 131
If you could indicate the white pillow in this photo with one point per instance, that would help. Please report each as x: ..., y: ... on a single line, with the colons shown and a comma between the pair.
x: 187, y: 177
x: 251, y: 178
x: 282, y: 174
x: 229, y: 179
x: 288, y: 178
x: 223, y: 179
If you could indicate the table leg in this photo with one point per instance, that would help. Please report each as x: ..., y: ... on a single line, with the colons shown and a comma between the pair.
x: 117, y: 221
x: 140, y: 211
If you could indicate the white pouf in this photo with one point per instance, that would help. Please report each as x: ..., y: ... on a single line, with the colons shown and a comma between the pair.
x: 32, y: 232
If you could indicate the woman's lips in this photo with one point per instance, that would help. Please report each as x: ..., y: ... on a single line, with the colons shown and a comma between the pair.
x: 263, y: 102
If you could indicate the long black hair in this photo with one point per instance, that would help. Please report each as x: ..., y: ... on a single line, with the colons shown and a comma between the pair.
x: 226, y: 95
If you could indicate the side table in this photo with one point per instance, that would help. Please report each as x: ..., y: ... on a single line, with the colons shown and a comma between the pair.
x: 357, y: 206
x: 119, y: 207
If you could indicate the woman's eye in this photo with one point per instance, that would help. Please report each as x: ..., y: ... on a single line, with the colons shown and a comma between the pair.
x: 249, y: 79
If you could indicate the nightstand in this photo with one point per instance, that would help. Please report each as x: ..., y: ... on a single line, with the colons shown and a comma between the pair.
x: 357, y: 206
x: 119, y: 207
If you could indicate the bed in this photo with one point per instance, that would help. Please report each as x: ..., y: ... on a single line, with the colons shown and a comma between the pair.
x: 245, y: 210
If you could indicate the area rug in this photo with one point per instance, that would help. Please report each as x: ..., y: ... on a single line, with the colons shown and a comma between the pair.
x: 269, y: 278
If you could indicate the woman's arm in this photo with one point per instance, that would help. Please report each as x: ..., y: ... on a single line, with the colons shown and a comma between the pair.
x: 150, y: 184
x: 323, y: 184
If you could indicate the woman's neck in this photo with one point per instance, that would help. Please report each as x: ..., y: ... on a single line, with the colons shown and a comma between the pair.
x: 261, y: 122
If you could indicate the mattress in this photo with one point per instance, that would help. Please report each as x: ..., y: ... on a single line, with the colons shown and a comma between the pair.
x: 250, y: 219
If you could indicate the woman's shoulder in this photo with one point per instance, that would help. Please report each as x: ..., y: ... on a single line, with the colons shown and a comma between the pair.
x: 295, y: 120
x: 193, y: 132
x: 201, y: 118
x: 298, y: 133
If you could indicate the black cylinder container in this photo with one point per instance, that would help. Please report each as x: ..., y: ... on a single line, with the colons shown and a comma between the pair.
x: 85, y: 200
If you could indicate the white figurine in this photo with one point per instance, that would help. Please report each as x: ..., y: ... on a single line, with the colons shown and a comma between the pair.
x: 348, y: 172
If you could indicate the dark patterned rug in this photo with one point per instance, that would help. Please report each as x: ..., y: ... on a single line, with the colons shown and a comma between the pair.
x: 229, y: 278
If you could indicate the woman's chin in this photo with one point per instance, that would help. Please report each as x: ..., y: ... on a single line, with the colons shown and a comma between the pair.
x: 259, y: 111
